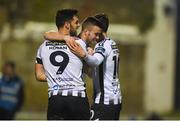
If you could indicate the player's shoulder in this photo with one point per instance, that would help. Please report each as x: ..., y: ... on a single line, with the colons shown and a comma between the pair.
x: 80, y: 41
x: 110, y: 42
x: 77, y: 39
x: 105, y: 42
x: 44, y: 43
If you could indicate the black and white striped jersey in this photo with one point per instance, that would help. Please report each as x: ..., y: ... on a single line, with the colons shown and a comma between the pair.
x: 63, y: 69
x: 105, y: 77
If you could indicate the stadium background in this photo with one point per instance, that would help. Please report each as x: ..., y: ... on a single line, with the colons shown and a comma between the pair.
x: 134, y: 25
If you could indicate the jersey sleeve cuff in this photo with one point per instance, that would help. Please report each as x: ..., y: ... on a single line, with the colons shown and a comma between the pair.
x: 38, y: 60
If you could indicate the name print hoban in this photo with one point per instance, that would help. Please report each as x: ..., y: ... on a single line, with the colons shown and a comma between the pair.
x: 56, y: 45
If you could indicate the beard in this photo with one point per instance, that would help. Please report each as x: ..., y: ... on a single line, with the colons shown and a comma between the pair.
x: 73, y: 33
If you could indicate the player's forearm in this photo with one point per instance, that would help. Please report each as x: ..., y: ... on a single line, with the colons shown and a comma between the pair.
x: 93, y: 60
x: 53, y: 36
x: 40, y: 72
x: 40, y: 77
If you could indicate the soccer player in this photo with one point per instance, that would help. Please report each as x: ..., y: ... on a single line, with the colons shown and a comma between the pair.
x: 107, y: 94
x: 105, y: 60
x: 63, y: 72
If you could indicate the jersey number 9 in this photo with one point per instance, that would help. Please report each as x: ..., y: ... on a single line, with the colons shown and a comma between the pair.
x: 62, y: 65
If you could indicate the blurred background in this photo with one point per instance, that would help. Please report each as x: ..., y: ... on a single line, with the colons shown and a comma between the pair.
x: 147, y: 33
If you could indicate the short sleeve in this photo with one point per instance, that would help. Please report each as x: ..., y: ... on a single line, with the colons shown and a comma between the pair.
x: 102, y: 48
x: 38, y: 56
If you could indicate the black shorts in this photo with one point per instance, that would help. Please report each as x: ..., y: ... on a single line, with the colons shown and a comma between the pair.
x: 68, y: 108
x: 105, y: 112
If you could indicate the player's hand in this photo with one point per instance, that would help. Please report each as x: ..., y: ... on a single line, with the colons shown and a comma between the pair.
x: 70, y: 41
x: 78, y: 50
x: 90, y: 51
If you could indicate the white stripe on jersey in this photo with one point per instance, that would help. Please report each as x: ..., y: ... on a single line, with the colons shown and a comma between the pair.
x: 55, y: 92
x: 115, y: 100
x: 108, y: 100
x: 83, y: 94
x: 97, y: 99
x: 75, y: 93
x: 65, y: 93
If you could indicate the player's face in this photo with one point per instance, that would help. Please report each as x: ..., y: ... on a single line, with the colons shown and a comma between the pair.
x: 95, y: 33
x: 74, y: 25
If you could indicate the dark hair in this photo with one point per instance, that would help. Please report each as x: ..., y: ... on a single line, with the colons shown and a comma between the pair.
x: 92, y: 21
x: 11, y: 64
x: 65, y: 15
x: 103, y: 18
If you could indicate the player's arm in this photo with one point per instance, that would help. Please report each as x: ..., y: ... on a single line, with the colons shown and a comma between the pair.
x: 92, y: 60
x: 53, y: 35
x: 56, y: 36
x: 39, y: 68
x: 40, y: 73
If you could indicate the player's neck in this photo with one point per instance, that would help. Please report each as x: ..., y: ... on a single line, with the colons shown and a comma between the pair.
x: 63, y: 31
x: 105, y: 35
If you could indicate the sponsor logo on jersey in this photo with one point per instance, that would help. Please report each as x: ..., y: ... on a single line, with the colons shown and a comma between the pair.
x: 59, y: 79
x: 56, y: 45
x: 100, y: 49
x: 63, y: 86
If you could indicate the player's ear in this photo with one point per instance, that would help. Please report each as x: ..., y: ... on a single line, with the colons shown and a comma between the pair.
x: 67, y: 25
x: 86, y: 32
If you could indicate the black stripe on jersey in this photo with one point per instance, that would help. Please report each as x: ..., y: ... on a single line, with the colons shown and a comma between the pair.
x: 39, y: 61
x: 118, y: 66
x: 101, y: 82
x: 101, y: 54
x: 94, y: 92
x: 102, y: 42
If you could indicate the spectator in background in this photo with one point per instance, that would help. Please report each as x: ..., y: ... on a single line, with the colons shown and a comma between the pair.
x: 11, y: 92
x: 154, y: 116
